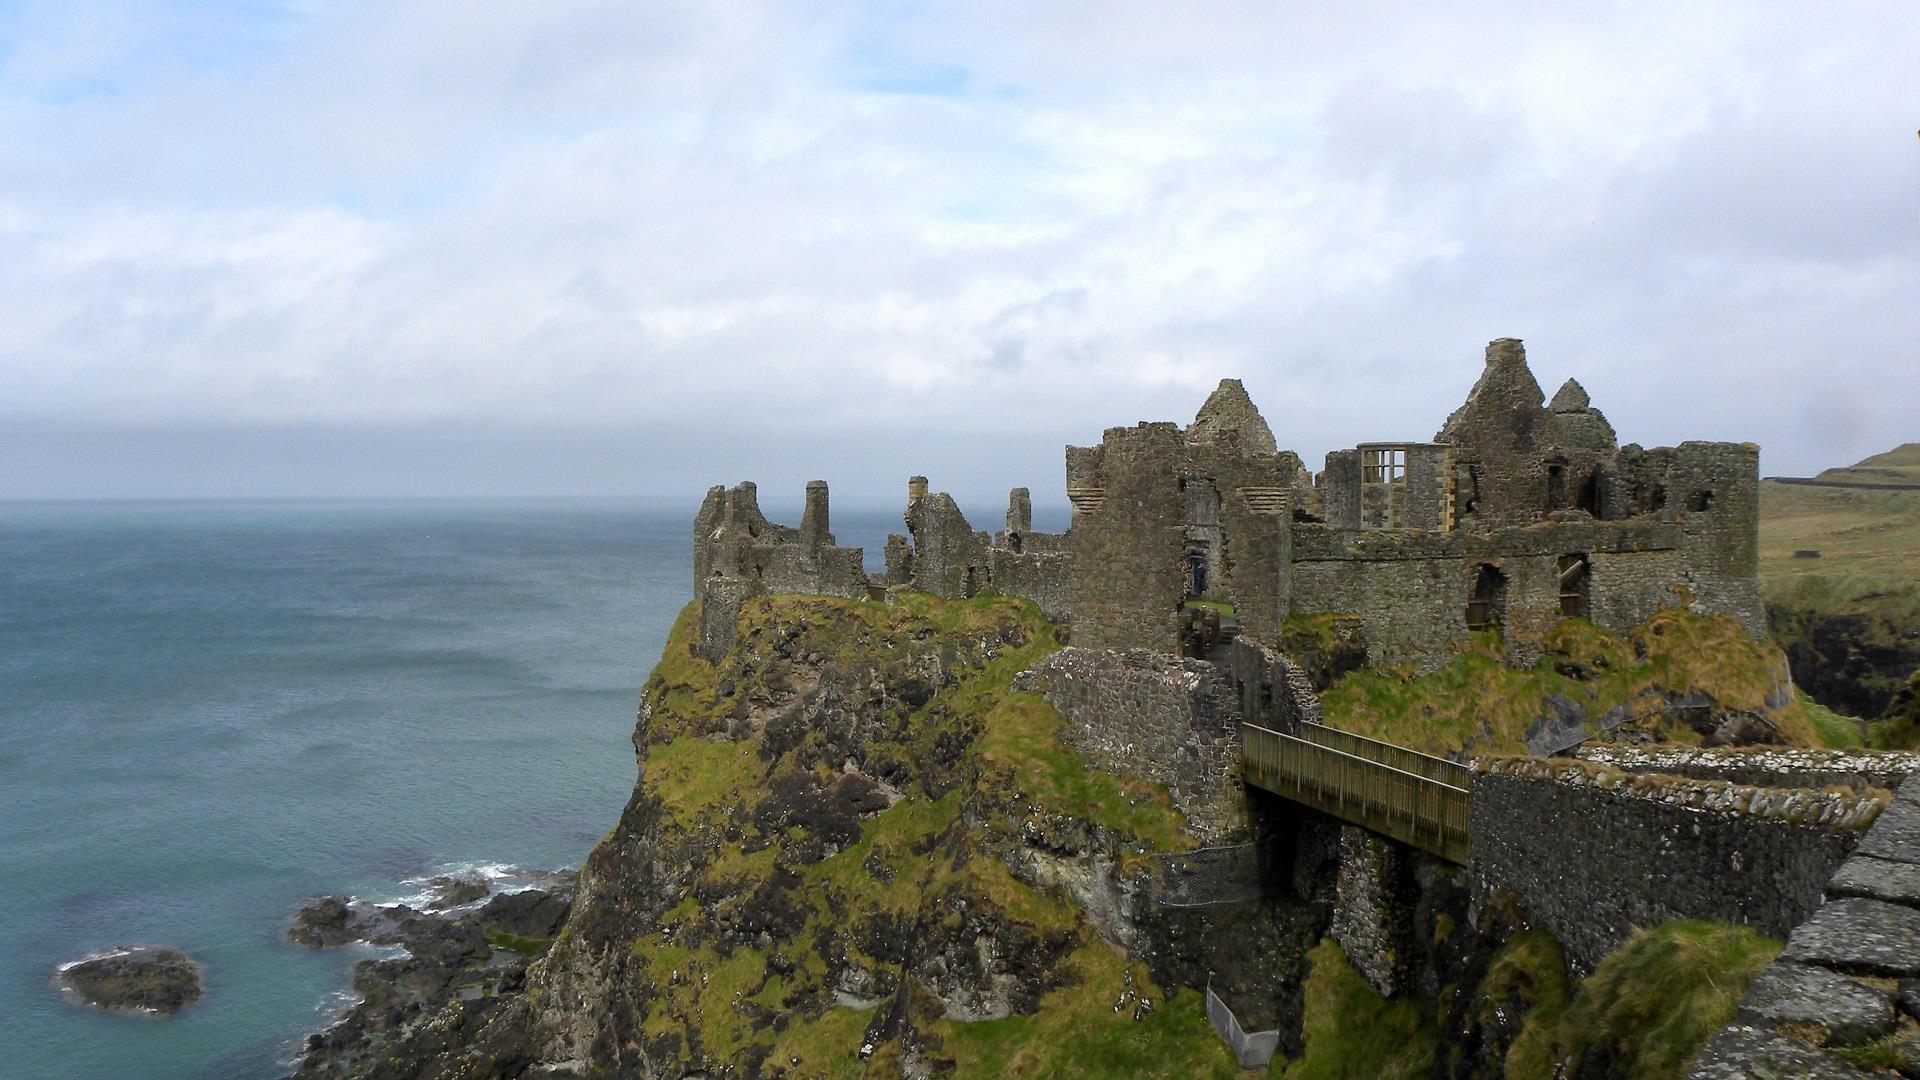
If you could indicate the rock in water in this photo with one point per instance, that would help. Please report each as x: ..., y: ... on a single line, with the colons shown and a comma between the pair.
x: 160, y: 981
x: 455, y: 890
x: 327, y: 922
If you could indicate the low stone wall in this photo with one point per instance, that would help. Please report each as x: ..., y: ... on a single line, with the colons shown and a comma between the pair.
x: 1762, y: 766
x: 1592, y: 853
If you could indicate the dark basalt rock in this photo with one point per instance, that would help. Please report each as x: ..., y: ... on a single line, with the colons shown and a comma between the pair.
x: 159, y: 981
x: 452, y: 891
x: 452, y: 976
x: 532, y: 914
x: 328, y: 922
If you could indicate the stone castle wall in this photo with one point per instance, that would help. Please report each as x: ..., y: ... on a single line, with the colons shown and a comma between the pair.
x: 1175, y: 722
x: 1522, y: 510
x: 738, y: 553
x: 1591, y: 859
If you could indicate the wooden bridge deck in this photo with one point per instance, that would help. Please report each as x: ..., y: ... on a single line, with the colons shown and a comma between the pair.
x: 1412, y: 797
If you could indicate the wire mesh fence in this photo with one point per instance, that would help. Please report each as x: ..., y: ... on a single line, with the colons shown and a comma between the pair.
x: 1205, y: 877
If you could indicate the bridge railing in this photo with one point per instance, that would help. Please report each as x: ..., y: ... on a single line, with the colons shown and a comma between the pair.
x: 1452, y: 773
x: 1427, y: 813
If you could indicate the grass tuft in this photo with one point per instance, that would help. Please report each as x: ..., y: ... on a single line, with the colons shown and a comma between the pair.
x: 1351, y: 1032
x: 1648, y: 1007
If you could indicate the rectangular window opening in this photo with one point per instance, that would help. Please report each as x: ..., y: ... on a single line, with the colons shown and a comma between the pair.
x: 1575, y: 575
x: 1383, y: 466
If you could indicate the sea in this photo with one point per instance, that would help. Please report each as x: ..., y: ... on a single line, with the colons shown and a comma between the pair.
x: 212, y: 712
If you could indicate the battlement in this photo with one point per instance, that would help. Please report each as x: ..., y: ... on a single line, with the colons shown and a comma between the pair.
x: 1519, y: 512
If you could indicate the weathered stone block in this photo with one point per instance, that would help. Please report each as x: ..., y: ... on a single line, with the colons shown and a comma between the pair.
x: 1859, y: 936
x: 1845, y: 1010
x: 1747, y: 1053
x: 1877, y: 879
x: 1896, y: 835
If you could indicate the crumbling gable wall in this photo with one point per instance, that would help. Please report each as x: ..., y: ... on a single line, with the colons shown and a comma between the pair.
x: 946, y: 556
x: 1162, y: 515
x: 738, y: 553
x: 1500, y: 438
x: 1126, y: 565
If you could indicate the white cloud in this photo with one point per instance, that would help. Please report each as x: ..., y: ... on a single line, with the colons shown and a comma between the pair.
x: 992, y: 220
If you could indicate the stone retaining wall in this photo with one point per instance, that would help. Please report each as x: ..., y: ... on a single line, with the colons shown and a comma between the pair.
x: 1591, y: 854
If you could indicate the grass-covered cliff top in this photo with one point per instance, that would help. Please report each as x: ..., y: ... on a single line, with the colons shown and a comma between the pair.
x: 837, y: 798
x: 1478, y: 703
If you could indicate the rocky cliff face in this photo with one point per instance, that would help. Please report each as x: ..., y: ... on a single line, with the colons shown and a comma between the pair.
x: 854, y: 846
x: 857, y: 847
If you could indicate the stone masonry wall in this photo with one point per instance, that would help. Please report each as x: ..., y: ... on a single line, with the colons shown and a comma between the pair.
x: 1591, y: 855
x: 1164, y: 720
x: 1126, y: 571
x: 738, y: 553
x: 1761, y: 766
x: 1373, y: 912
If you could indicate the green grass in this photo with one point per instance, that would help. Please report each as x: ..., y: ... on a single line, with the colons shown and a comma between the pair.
x: 1077, y: 1032
x: 1351, y: 1032
x: 1869, y: 544
x: 1477, y: 701
x: 1831, y: 729
x: 697, y: 777
x: 933, y: 854
x: 517, y: 943
x: 1224, y: 607
x: 1648, y: 1007
x: 1530, y: 972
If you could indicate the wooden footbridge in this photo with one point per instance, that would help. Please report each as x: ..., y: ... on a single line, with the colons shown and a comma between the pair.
x: 1412, y: 797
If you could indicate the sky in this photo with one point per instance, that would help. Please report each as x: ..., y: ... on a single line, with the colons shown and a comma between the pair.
x: 570, y: 247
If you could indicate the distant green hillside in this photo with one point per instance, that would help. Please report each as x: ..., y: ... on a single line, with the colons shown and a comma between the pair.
x: 1849, y: 617
x: 1900, y: 465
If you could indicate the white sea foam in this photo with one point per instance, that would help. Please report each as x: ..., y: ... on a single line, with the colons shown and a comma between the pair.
x: 105, y: 954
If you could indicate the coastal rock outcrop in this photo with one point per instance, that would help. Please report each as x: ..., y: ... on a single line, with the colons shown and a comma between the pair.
x: 154, y: 980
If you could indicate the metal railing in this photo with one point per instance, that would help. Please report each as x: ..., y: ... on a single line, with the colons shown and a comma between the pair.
x: 1415, y: 809
x: 1452, y: 773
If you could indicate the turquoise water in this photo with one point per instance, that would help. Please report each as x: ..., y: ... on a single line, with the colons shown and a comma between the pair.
x: 211, y: 712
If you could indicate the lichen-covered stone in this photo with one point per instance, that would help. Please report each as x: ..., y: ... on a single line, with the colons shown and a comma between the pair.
x: 1846, y: 1011
x: 1877, y: 879
x: 1748, y: 1053
x: 1867, y: 937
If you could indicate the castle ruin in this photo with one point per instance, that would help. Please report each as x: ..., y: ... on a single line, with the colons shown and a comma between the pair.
x: 1518, y: 513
